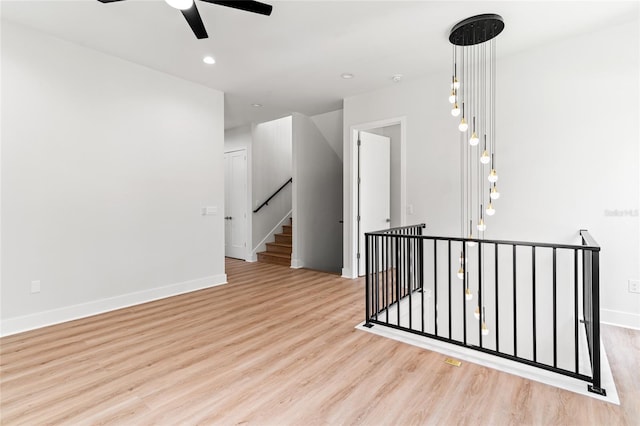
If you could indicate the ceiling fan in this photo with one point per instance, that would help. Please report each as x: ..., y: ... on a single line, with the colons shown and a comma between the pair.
x: 191, y: 14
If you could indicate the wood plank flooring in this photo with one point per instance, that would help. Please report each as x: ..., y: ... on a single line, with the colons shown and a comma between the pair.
x: 276, y: 346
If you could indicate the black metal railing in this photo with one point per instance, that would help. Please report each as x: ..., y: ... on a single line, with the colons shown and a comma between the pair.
x: 527, y: 293
x: 266, y: 202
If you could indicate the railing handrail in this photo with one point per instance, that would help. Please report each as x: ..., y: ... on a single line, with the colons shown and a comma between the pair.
x: 273, y: 195
x: 592, y: 245
x: 398, y: 228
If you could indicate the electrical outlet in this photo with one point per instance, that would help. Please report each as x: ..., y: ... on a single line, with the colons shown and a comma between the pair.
x: 35, y: 286
x: 634, y: 286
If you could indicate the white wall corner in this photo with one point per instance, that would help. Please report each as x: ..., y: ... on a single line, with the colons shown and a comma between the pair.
x: 69, y: 313
x: 620, y: 318
x: 346, y: 273
x: 297, y: 264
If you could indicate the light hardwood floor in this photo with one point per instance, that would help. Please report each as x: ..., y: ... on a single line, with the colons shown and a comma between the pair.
x: 275, y: 346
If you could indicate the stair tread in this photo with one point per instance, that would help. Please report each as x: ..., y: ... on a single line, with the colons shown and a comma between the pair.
x: 280, y: 244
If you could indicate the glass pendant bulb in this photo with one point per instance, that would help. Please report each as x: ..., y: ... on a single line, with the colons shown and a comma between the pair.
x: 462, y: 259
x: 468, y: 295
x: 452, y: 97
x: 455, y: 111
x: 485, y: 329
x: 180, y: 4
x: 471, y: 243
x: 463, y: 126
x: 474, y: 140
x: 494, y: 193
x: 484, y: 158
x: 476, y: 313
x: 493, y: 176
x: 461, y: 273
x: 490, y: 210
x: 455, y: 84
x: 481, y: 226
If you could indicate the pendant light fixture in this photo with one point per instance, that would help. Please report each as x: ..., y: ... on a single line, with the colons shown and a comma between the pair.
x: 473, y: 88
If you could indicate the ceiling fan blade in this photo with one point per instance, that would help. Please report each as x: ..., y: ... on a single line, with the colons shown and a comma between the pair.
x: 109, y: 1
x: 249, y: 6
x: 195, y: 21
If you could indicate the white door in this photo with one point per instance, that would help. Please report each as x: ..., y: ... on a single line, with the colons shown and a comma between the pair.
x: 235, y: 204
x: 374, y: 189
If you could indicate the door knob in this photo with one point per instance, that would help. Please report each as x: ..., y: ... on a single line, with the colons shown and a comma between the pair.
x: 388, y: 220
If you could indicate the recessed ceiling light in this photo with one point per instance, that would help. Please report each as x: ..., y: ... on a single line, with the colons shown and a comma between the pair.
x: 397, y: 77
x: 346, y: 75
x: 256, y: 105
x: 209, y: 60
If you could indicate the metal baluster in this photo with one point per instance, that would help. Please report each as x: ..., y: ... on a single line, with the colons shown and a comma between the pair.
x: 367, y: 281
x: 496, y: 296
x: 533, y: 291
x: 575, y: 309
x: 515, y: 306
x: 449, y: 284
x: 555, y: 320
x: 464, y: 298
x: 435, y: 286
x: 480, y: 294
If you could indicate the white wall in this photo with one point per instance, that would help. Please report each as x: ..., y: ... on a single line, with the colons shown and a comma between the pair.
x: 330, y: 125
x: 568, y: 150
x: 272, y: 167
x: 317, y: 199
x: 105, y: 168
x: 237, y: 138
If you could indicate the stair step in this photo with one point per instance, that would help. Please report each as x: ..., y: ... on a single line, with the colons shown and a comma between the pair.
x: 283, y: 238
x: 287, y: 229
x: 275, y: 258
x: 279, y: 248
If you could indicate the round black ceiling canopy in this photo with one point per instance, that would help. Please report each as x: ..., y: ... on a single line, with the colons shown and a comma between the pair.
x: 476, y: 30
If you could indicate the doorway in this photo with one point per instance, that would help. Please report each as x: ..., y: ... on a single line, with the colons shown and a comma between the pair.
x: 374, y: 188
x: 394, y: 129
x: 235, y: 204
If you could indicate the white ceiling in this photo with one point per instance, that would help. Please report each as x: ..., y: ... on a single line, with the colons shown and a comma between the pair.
x: 292, y: 60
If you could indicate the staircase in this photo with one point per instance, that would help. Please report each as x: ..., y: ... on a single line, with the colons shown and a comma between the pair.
x: 279, y: 252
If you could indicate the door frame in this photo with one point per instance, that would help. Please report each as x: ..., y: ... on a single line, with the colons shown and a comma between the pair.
x: 248, y: 222
x: 351, y: 271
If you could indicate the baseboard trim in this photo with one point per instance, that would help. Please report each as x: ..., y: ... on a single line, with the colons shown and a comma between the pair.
x: 297, y: 264
x: 69, y: 313
x: 620, y: 318
x: 346, y: 273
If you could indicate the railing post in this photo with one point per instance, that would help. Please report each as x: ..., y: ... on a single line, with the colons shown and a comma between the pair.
x: 596, y: 387
x: 367, y: 282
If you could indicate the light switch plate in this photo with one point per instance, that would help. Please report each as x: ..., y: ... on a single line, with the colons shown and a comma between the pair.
x: 209, y: 210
